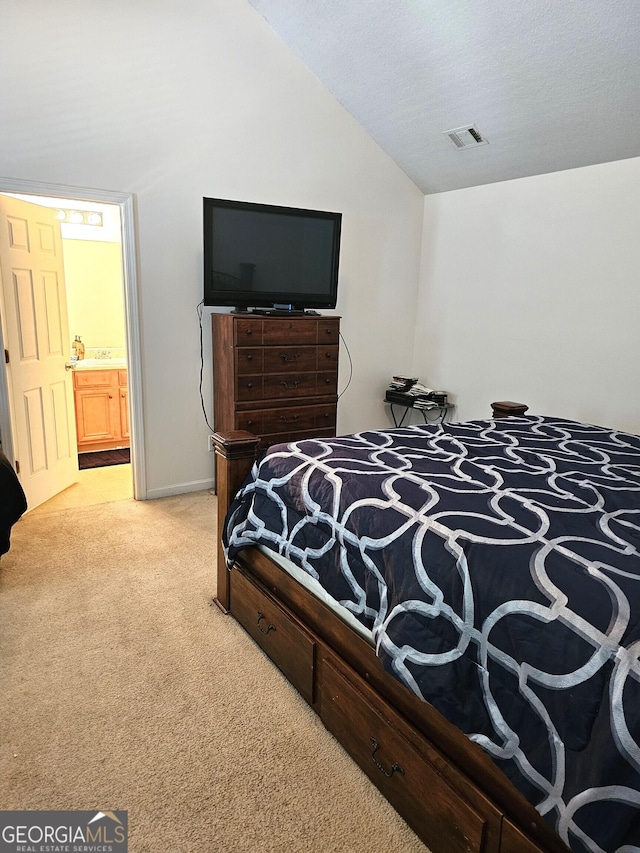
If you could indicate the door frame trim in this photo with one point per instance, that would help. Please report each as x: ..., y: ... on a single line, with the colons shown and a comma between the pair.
x: 126, y: 203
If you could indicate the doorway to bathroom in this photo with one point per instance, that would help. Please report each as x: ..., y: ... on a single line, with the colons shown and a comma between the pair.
x: 103, y: 347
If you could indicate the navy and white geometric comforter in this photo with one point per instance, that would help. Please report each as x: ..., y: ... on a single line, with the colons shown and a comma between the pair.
x: 498, y: 566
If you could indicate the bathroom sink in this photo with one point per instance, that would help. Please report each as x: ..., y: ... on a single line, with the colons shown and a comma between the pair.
x: 99, y: 363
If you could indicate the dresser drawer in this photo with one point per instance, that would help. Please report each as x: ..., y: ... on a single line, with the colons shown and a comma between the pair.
x: 313, y: 420
x: 327, y: 383
x: 247, y: 331
x: 251, y: 331
x: 294, y: 331
x: 404, y: 775
x: 327, y: 357
x: 249, y: 360
x: 329, y: 330
x: 286, y: 642
x: 255, y: 331
x: 282, y: 386
x: 298, y: 418
x: 251, y: 421
x: 283, y: 359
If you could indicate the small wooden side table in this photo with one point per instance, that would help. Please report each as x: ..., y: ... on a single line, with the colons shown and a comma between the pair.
x: 505, y: 408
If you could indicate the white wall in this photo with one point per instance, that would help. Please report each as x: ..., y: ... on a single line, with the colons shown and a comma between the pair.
x: 95, y: 301
x: 179, y: 99
x: 530, y: 291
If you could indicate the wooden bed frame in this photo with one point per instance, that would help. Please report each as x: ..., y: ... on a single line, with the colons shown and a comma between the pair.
x: 446, y: 788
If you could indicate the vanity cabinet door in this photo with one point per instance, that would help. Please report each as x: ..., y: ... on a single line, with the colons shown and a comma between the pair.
x: 97, y: 415
x: 123, y: 393
x: 102, y: 409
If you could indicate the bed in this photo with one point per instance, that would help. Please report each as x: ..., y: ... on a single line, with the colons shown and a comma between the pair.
x: 487, y: 676
x: 12, y: 502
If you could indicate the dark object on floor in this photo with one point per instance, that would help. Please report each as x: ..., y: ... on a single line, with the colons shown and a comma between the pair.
x: 101, y: 458
x: 12, y: 501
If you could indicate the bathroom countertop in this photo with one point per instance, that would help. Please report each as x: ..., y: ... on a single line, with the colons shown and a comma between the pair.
x: 100, y: 364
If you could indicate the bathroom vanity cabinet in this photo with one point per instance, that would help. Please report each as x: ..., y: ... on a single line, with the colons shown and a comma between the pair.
x: 102, y: 409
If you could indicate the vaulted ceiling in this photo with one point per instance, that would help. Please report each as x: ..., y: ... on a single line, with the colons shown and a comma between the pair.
x: 548, y: 84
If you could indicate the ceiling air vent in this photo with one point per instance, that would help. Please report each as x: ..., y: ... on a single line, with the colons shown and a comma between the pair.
x: 466, y: 137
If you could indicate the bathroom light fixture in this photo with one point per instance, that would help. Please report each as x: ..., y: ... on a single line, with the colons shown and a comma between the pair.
x: 80, y: 217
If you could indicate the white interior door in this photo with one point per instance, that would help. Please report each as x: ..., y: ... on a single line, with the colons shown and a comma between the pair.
x: 36, y: 335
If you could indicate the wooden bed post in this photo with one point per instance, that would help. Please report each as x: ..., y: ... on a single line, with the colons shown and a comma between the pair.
x: 505, y: 408
x: 235, y: 453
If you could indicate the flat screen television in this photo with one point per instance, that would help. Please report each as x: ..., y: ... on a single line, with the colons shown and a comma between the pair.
x: 262, y: 256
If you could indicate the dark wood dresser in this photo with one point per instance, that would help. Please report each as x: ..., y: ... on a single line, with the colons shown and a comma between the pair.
x: 276, y: 377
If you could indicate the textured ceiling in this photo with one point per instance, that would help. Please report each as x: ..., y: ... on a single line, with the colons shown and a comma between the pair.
x: 552, y: 84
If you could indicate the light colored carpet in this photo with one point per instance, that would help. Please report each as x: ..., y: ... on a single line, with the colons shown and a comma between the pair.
x: 122, y: 688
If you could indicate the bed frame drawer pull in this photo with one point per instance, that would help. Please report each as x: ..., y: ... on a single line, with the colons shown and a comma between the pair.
x: 394, y: 767
x: 269, y: 627
x: 276, y: 631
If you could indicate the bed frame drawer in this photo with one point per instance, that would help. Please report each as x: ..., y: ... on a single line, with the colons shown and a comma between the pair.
x: 513, y: 841
x: 401, y: 771
x: 278, y: 634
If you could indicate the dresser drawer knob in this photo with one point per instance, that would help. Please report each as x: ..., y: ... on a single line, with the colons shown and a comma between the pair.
x: 289, y: 385
x: 289, y: 420
x: 289, y: 356
x: 394, y: 767
x: 269, y: 627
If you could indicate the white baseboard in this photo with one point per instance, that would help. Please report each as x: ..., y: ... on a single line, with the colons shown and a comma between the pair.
x: 179, y: 489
